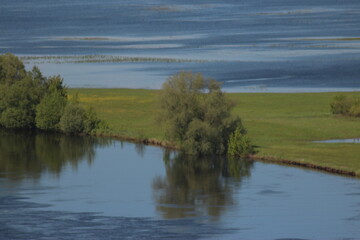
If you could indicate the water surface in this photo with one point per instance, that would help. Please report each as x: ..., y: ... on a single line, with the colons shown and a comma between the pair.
x: 249, y: 45
x: 62, y: 187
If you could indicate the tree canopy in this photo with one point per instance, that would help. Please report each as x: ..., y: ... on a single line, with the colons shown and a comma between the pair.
x: 197, y: 114
x: 30, y: 100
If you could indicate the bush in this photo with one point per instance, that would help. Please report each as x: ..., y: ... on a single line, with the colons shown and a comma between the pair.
x: 93, y: 122
x: 355, y: 110
x: 239, y: 144
x: 72, y: 121
x: 341, y: 105
x: 345, y: 106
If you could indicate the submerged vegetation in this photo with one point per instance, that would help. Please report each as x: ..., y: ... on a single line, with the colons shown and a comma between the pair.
x: 29, y: 100
x: 100, y: 59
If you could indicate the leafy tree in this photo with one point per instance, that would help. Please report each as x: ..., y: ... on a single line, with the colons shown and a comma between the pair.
x: 51, y: 107
x: 197, y: 114
x: 18, y: 103
x: 11, y: 69
x: 28, y: 100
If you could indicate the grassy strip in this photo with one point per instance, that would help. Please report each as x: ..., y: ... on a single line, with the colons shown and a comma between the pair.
x: 100, y: 59
x: 282, y: 125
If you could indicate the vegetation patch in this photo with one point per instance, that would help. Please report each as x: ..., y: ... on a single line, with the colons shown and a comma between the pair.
x: 346, y: 106
x: 57, y: 59
x: 30, y: 100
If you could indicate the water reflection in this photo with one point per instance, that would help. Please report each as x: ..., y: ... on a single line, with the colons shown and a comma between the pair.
x: 28, y: 154
x: 198, y: 186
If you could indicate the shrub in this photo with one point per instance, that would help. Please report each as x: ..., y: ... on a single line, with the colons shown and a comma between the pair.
x: 355, y: 110
x: 93, y: 122
x: 345, y: 106
x: 239, y: 144
x: 72, y: 121
x: 341, y: 105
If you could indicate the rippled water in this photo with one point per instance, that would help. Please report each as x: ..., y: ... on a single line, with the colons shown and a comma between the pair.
x: 62, y: 187
x: 250, y: 45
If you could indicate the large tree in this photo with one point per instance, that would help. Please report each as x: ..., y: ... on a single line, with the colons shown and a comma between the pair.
x: 197, y: 114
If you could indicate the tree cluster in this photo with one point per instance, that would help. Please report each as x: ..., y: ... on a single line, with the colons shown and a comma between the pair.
x: 197, y: 114
x: 30, y: 100
x: 346, y: 106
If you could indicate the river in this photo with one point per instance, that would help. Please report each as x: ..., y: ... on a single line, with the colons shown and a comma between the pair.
x: 63, y: 187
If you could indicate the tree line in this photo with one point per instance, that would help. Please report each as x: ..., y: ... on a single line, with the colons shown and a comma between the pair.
x: 195, y: 111
x: 29, y: 100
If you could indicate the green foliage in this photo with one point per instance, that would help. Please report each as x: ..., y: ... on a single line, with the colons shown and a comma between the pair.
x: 72, y: 121
x: 341, y: 105
x: 51, y: 107
x: 11, y: 69
x: 197, y: 114
x: 93, y: 122
x: 346, y: 106
x: 49, y: 111
x: 28, y: 100
x: 355, y: 110
x: 18, y: 103
x: 239, y: 144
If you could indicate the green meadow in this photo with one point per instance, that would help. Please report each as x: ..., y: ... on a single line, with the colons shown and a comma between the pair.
x: 283, y: 126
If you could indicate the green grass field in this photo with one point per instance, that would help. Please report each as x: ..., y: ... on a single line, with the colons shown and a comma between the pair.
x: 282, y: 125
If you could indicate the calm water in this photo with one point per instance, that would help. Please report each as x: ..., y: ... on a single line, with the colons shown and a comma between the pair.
x: 250, y: 45
x: 61, y: 187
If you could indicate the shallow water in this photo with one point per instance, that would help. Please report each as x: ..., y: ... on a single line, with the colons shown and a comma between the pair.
x: 61, y: 187
x: 350, y: 140
x: 251, y: 45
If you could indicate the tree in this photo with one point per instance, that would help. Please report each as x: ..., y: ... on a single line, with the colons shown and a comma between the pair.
x: 11, y: 69
x: 51, y: 107
x: 18, y: 103
x: 29, y: 100
x: 197, y: 114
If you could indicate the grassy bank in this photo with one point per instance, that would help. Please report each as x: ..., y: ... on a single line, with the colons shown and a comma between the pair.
x: 282, y: 125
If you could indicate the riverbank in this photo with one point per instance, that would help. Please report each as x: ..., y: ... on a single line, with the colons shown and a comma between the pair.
x: 283, y: 126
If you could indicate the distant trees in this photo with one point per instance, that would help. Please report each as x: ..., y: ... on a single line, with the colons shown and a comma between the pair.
x: 197, y: 114
x: 346, y: 106
x: 30, y: 100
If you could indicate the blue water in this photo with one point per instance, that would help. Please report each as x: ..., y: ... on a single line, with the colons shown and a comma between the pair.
x: 63, y: 187
x: 251, y: 45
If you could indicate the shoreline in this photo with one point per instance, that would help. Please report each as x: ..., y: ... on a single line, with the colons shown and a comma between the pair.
x: 270, y: 160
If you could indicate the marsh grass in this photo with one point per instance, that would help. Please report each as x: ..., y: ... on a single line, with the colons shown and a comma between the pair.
x: 284, y: 126
x: 57, y: 59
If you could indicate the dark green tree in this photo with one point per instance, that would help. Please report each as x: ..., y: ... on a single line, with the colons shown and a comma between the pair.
x: 11, y: 69
x: 51, y: 107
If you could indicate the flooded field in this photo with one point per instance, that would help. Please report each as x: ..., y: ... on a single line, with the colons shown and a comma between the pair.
x: 251, y: 46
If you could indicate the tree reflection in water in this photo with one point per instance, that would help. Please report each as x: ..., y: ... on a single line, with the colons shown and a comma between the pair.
x: 28, y: 154
x: 198, y: 186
